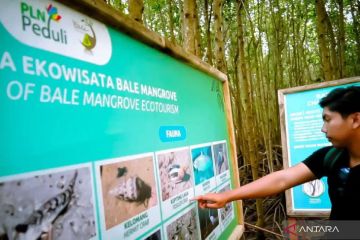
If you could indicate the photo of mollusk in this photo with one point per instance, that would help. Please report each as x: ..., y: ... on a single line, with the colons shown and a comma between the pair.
x: 202, y: 164
x: 56, y: 205
x: 185, y: 227
x: 221, y: 158
x: 175, y: 172
x: 209, y: 220
x: 128, y: 188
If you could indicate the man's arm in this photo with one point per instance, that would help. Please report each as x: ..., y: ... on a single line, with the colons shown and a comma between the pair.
x: 266, y: 186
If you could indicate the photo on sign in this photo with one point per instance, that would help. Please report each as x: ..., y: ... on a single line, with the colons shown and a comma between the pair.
x: 154, y: 236
x: 209, y: 220
x: 226, y: 211
x: 58, y: 204
x: 128, y: 188
x: 314, y: 188
x: 221, y: 158
x: 176, y: 174
x: 202, y: 164
x: 185, y: 227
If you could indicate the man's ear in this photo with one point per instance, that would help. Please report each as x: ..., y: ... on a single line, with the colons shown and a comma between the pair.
x: 356, y: 120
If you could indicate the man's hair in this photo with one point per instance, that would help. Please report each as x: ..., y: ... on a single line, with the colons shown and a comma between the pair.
x: 343, y: 100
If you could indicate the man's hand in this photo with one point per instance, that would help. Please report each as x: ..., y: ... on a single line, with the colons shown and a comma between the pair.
x: 271, y: 184
x: 211, y: 200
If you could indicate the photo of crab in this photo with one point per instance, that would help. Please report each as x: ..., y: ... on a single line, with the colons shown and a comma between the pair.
x: 128, y: 188
x: 226, y: 211
x: 154, y: 236
x: 209, y: 220
x: 175, y: 172
x: 221, y: 158
x: 55, y: 205
x: 202, y: 164
x: 184, y: 227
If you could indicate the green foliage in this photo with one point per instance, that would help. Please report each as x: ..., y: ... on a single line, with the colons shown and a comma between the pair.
x: 120, y: 5
x: 273, y: 29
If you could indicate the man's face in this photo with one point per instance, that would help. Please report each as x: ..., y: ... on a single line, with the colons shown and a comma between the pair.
x: 337, y: 129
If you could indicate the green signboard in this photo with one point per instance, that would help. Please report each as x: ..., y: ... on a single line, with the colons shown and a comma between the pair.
x: 104, y: 137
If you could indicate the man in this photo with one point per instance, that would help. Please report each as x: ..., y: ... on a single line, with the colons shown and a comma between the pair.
x: 341, y: 115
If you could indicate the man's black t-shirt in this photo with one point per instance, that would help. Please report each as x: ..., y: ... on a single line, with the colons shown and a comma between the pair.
x: 343, y: 182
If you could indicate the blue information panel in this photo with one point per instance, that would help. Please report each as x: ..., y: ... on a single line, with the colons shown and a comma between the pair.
x: 303, y: 123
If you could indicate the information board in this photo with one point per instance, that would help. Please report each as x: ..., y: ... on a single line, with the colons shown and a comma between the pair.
x: 301, y: 123
x: 102, y: 136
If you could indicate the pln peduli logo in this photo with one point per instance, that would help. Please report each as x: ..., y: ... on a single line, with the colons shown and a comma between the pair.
x: 54, y: 27
x: 38, y: 22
